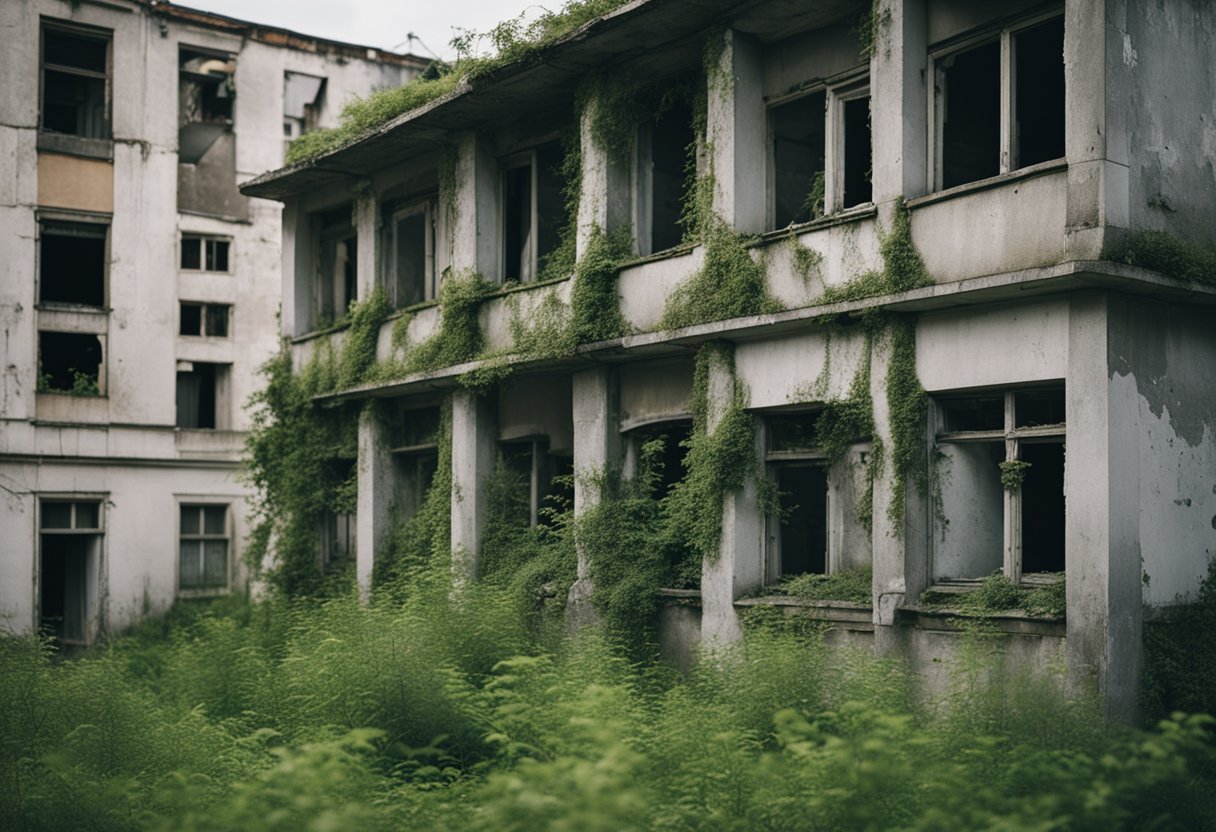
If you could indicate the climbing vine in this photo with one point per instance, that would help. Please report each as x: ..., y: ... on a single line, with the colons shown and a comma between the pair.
x: 907, y: 405
x: 1013, y: 472
x: 903, y: 269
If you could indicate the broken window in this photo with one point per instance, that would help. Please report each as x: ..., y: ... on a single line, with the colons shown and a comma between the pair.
x: 799, y: 543
x: 537, y: 480
x: 209, y: 320
x: 75, y: 81
x: 337, y: 266
x: 302, y: 99
x: 207, y: 254
x: 533, y: 211
x: 1000, y: 484
x: 662, y: 448
x: 69, y: 362
x: 203, y: 548
x: 206, y: 90
x: 979, y: 136
x: 70, y: 552
x: 410, y: 248
x: 417, y: 457
x: 202, y: 400
x: 666, y: 158
x: 72, y: 263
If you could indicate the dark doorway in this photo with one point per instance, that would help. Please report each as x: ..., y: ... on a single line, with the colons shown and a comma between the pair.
x: 804, y: 530
x: 1043, y: 508
x: 63, y: 591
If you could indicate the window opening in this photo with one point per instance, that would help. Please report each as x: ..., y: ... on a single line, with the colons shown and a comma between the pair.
x: 534, y: 211
x: 803, y: 493
x: 971, y: 118
x: 302, y: 100
x: 201, y: 389
x: 75, y: 80
x: 672, y: 143
x: 69, y: 362
x: 1039, y: 85
x: 517, y: 229
x: 72, y: 263
x: 858, y: 152
x: 204, y: 319
x: 209, y: 254
x: 206, y: 91
x: 203, y: 552
x: 532, y: 470
x: 417, y: 459
x: 70, y: 545
x: 411, y: 261
x: 799, y: 151
x: 670, y: 467
x: 337, y: 265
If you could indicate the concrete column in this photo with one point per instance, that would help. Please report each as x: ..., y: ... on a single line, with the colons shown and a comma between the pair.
x: 737, y: 132
x: 297, y: 275
x: 474, y: 436
x: 1101, y: 527
x: 377, y: 495
x: 596, y: 451
x: 367, y: 230
x: 899, y: 102
x: 475, y: 230
x: 900, y: 552
x: 606, y: 191
x: 739, y: 566
x: 1098, y: 61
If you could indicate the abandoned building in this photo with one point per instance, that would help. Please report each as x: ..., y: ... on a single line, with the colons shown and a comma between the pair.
x: 139, y: 292
x: 1062, y: 410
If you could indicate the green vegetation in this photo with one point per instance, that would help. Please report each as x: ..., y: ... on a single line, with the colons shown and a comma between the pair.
x: 903, y: 269
x: 1162, y: 252
x: 854, y: 585
x: 1180, y: 656
x: 1013, y: 472
x: 514, y: 44
x: 83, y: 384
x: 450, y: 712
x: 458, y: 338
x: 997, y: 593
x: 907, y: 406
x: 596, y: 306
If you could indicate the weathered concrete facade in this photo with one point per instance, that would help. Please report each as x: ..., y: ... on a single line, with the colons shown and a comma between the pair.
x: 126, y: 128
x: 1026, y: 141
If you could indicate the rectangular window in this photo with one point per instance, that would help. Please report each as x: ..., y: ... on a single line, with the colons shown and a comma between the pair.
x: 206, y: 92
x: 667, y: 156
x: 999, y: 104
x: 410, y: 247
x: 203, y: 548
x: 202, y: 395
x: 209, y: 320
x: 208, y: 254
x: 337, y: 266
x: 821, y: 153
x: 533, y: 212
x: 532, y: 471
x: 72, y: 263
x: 1000, y: 484
x: 796, y: 466
x: 303, y: 96
x: 75, y: 81
x: 70, y: 551
x: 69, y: 362
x: 658, y: 451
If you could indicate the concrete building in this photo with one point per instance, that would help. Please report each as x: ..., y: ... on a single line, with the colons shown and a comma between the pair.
x: 1028, y: 141
x: 139, y: 292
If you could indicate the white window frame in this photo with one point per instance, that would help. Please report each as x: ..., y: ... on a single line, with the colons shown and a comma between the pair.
x: 199, y: 503
x: 938, y: 56
x: 428, y: 207
x: 837, y: 91
x: 1013, y: 437
x: 92, y: 593
x: 204, y: 240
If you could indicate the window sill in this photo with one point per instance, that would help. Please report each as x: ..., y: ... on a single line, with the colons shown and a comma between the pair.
x: 1014, y: 622
x: 680, y: 597
x: 195, y: 594
x: 843, y: 217
x: 68, y: 394
x: 88, y: 148
x: 1041, y: 169
x: 75, y: 308
x: 313, y: 334
x: 850, y: 614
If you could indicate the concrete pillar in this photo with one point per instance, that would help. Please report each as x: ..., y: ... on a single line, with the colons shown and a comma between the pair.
x: 899, y: 102
x: 1101, y: 527
x: 1098, y: 61
x: 474, y: 436
x: 475, y: 229
x: 737, y: 131
x: 738, y: 568
x: 596, y: 451
x: 366, y: 220
x: 606, y: 191
x: 377, y: 495
x: 900, y: 552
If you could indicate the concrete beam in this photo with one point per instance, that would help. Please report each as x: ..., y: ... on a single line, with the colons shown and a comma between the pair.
x: 596, y: 451
x: 736, y: 132
x: 377, y: 493
x: 474, y: 440
x: 607, y: 195
x: 899, y: 102
x: 475, y: 230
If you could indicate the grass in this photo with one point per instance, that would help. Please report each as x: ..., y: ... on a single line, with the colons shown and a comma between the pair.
x: 854, y: 585
x: 996, y: 593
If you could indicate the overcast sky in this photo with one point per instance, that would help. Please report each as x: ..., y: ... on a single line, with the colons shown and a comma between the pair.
x: 382, y: 23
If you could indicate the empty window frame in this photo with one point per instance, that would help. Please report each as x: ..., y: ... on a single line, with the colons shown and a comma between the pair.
x: 409, y: 267
x: 536, y: 479
x: 416, y: 458
x: 206, y: 92
x: 533, y: 212
x: 203, y: 548
x: 1000, y: 486
x: 303, y: 96
x: 202, y: 395
x: 798, y: 535
x: 999, y: 103
x: 70, y: 362
x: 337, y: 264
x: 820, y: 153
x: 666, y: 161
x: 75, y: 80
x: 658, y: 451
x: 203, y: 253
x: 207, y: 320
x: 69, y: 558
x: 72, y: 259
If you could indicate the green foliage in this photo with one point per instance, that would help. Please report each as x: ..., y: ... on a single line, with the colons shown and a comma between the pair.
x: 873, y: 22
x: 358, y: 355
x: 903, y: 269
x: 806, y: 260
x: 594, y: 301
x: 1162, y: 252
x: 458, y: 338
x: 842, y: 422
x: 1180, y: 656
x: 813, y: 205
x: 1013, y: 472
x: 559, y: 263
x: 855, y: 585
x: 83, y: 384
x: 996, y: 593
x: 907, y: 405
x: 514, y: 44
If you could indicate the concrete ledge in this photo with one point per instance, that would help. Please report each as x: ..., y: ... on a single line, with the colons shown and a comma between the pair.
x: 949, y: 621
x: 847, y: 614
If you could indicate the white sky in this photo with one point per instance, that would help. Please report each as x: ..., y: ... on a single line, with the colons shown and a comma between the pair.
x: 382, y: 23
